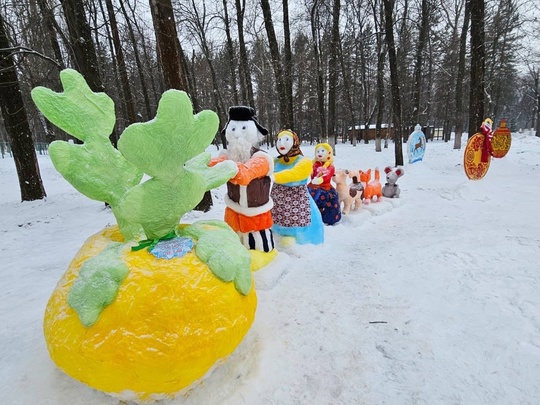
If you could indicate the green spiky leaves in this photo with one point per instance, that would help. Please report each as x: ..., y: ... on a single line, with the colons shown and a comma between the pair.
x: 168, y: 148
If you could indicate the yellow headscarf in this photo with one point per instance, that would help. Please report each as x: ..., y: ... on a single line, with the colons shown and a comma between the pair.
x: 329, y: 158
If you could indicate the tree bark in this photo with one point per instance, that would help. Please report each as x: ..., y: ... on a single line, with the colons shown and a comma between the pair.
x: 422, y: 36
x: 81, y: 44
x: 16, y: 124
x: 347, y: 91
x: 476, y: 96
x: 82, y: 49
x: 332, y: 77
x: 458, y: 117
x: 378, y: 9
x: 119, y: 53
x: 287, y: 65
x: 171, y: 60
x: 320, y: 79
x: 394, y: 78
x: 365, y: 98
x: 51, y: 31
x: 246, y: 88
x: 230, y: 52
x: 167, y: 44
x: 284, y: 121
x: 137, y: 57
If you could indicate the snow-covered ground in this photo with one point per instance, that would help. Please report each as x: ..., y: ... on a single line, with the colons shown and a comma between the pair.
x: 429, y: 299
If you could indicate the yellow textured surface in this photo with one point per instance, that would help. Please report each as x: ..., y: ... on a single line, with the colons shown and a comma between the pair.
x: 301, y: 171
x: 170, y: 322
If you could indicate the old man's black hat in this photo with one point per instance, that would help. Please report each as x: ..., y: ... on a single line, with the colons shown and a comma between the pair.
x: 244, y: 113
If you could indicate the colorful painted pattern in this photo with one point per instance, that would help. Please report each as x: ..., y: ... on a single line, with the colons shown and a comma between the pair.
x: 475, y: 169
x: 502, y: 139
x: 291, y: 206
x: 328, y: 203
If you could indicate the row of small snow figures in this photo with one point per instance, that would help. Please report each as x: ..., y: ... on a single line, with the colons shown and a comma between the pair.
x: 363, y: 189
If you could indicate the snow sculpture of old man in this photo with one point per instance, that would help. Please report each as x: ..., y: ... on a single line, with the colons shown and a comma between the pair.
x: 248, y: 200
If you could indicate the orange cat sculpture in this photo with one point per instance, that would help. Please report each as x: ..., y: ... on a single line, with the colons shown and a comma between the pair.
x: 372, y: 188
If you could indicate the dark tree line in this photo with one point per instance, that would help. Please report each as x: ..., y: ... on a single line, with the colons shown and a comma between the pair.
x: 320, y: 67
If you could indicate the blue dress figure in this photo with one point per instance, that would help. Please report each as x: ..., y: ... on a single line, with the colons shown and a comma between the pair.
x: 295, y: 214
x: 320, y: 188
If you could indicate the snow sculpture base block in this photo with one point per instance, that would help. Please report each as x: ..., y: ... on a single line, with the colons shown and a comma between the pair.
x: 171, y: 321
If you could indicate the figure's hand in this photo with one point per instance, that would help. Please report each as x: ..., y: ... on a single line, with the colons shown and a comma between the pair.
x: 215, y: 160
x: 242, y: 178
x: 254, y: 168
x: 317, y: 180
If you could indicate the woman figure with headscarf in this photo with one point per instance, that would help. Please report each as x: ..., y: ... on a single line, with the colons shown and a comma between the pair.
x: 320, y: 187
x: 295, y: 214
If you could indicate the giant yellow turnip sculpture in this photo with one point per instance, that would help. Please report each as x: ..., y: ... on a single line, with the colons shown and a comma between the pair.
x: 146, y: 308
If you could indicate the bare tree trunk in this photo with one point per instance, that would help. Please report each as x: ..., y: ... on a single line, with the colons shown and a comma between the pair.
x: 424, y: 29
x: 167, y: 44
x: 320, y: 79
x: 287, y: 65
x: 246, y: 88
x: 16, y: 124
x: 51, y: 31
x: 396, y: 97
x: 51, y: 28
x: 82, y: 49
x: 120, y: 123
x: 119, y: 53
x: 537, y: 113
x: 476, y: 96
x: 192, y: 79
x: 81, y: 44
x: 171, y: 60
x: 379, y: 24
x: 300, y: 90
x: 535, y: 119
x: 332, y: 77
x: 403, y: 48
x: 365, y: 98
x: 347, y: 90
x: 137, y: 62
x: 458, y: 117
x: 230, y: 52
x: 284, y: 118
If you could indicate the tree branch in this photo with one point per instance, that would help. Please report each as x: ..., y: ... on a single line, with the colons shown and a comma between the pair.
x: 24, y: 50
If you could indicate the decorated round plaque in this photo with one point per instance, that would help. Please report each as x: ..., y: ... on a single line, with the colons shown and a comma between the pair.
x: 475, y: 168
x: 502, y: 139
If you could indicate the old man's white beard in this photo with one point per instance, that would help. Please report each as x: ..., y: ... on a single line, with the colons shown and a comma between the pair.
x: 239, y: 150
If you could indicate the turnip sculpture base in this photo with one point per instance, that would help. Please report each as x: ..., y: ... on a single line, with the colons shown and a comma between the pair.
x: 169, y: 323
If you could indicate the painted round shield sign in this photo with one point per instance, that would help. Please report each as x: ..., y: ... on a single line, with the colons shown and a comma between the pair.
x: 475, y: 168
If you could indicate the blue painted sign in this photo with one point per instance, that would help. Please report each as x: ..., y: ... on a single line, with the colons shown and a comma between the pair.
x: 416, y: 145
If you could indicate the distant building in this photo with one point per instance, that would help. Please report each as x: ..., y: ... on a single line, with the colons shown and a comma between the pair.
x: 429, y: 131
x: 370, y: 131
